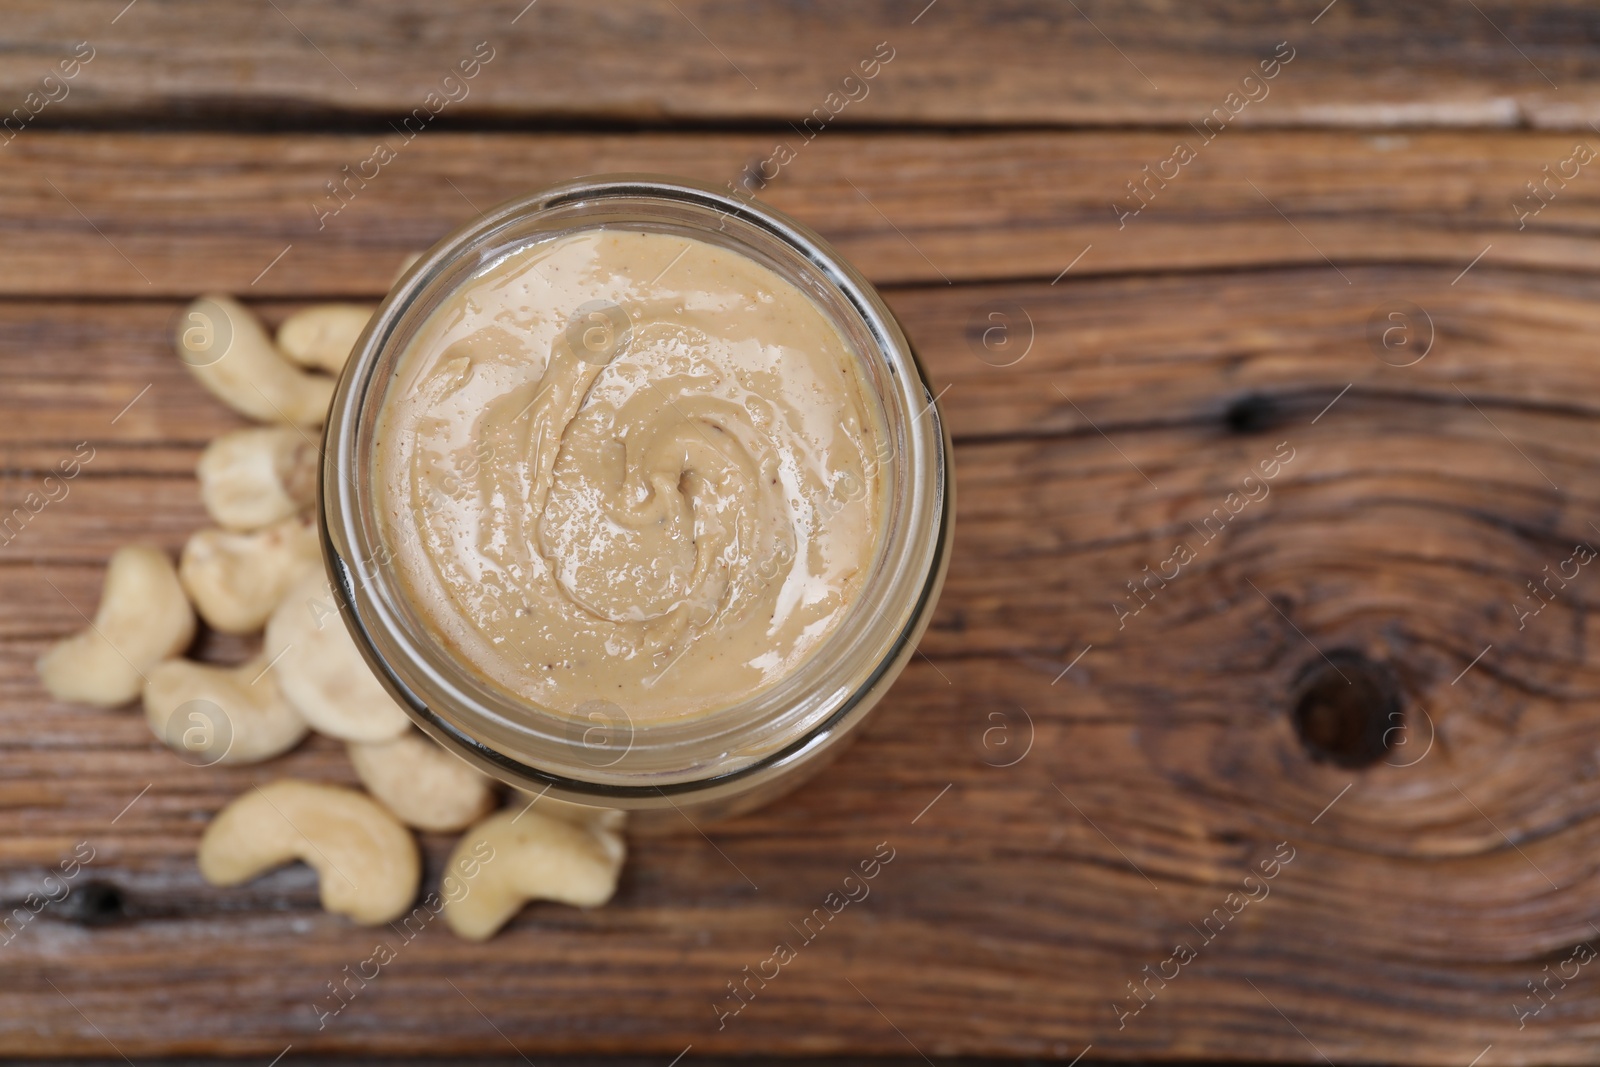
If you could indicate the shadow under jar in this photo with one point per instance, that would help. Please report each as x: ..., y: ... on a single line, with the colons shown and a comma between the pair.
x: 456, y: 534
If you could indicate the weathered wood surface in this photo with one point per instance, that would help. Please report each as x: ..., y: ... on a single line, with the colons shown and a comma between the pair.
x: 1233, y: 315
x: 1489, y: 63
x: 176, y: 214
x: 1405, y: 928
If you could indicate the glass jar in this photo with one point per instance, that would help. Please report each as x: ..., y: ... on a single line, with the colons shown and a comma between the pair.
x: 735, y: 758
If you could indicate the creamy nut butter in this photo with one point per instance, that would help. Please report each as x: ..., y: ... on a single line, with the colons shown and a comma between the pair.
x: 632, y: 467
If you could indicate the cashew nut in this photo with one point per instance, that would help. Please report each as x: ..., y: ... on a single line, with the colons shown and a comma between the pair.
x: 252, y: 478
x: 321, y: 671
x: 323, y: 336
x: 236, y: 579
x: 220, y: 714
x: 366, y: 862
x: 406, y: 264
x: 424, y: 785
x: 143, y: 618
x: 572, y: 811
x: 534, y: 857
x: 229, y: 353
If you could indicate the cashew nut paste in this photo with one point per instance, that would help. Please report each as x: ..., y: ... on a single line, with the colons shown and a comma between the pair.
x: 631, y: 467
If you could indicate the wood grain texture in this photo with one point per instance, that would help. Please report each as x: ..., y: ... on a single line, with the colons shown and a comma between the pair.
x: 1162, y: 766
x: 1495, y: 63
x: 1071, y: 787
x: 174, y: 215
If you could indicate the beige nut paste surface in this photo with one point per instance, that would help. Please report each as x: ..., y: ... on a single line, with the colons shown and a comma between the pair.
x: 668, y: 511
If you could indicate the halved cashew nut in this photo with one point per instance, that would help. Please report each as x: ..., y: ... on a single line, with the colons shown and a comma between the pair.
x: 143, y: 619
x: 323, y: 336
x: 253, y: 478
x: 322, y: 673
x: 366, y: 862
x: 235, y: 580
x: 528, y: 856
x: 421, y: 783
x: 229, y: 352
x: 220, y: 714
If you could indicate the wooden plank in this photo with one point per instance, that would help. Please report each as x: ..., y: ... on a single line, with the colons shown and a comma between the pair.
x: 1255, y: 349
x: 1494, y: 63
x: 1163, y: 764
x: 176, y: 214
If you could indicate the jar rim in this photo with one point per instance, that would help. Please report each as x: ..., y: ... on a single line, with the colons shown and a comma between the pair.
x: 534, y: 747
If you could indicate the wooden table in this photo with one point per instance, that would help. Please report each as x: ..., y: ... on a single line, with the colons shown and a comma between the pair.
x: 1348, y: 280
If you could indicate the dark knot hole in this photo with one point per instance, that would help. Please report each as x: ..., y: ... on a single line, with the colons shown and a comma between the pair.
x: 1252, y: 413
x: 1347, y: 709
x: 97, y: 903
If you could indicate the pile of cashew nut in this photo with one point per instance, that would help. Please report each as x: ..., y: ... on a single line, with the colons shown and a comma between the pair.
x: 259, y: 570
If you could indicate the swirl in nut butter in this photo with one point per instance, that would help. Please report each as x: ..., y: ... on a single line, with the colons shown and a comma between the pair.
x: 632, y: 467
